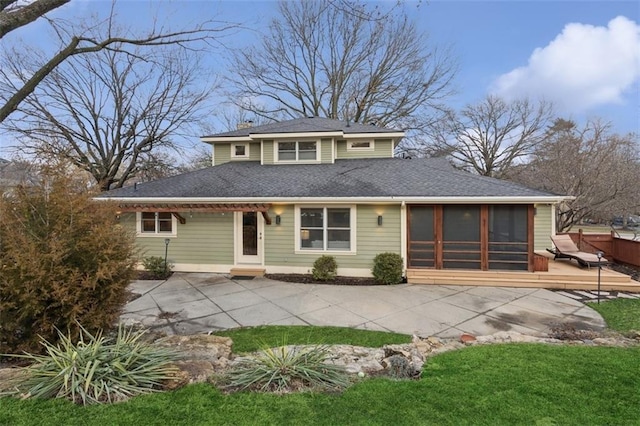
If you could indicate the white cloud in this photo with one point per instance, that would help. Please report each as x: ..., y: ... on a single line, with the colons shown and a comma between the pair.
x: 585, y: 66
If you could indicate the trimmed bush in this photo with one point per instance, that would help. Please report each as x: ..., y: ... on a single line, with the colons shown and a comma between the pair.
x: 387, y: 268
x: 64, y: 260
x: 156, y: 267
x: 97, y: 369
x: 325, y: 268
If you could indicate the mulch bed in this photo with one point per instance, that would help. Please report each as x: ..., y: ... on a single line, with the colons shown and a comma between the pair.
x: 308, y: 279
x: 634, y: 273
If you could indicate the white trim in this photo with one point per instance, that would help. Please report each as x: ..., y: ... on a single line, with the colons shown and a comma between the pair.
x: 553, y: 220
x: 238, y: 257
x: 261, y: 152
x: 340, y: 134
x: 353, y: 235
x: 226, y: 139
x: 371, y: 146
x: 349, y: 200
x: 334, y: 150
x: 213, y: 155
x: 157, y: 234
x: 246, y: 151
x: 390, y: 135
x: 348, y: 272
x: 403, y: 234
x: 276, y: 160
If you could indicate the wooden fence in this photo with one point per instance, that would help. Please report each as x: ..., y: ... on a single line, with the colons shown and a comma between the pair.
x: 620, y: 250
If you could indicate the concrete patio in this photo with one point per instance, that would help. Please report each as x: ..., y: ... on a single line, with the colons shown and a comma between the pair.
x: 189, y: 303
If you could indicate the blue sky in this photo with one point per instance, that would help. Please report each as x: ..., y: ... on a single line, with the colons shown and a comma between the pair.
x: 583, y: 55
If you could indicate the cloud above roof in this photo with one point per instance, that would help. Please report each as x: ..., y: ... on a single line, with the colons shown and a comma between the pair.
x: 583, y: 67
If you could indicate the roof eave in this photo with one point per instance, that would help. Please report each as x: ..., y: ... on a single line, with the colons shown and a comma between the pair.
x: 346, y: 200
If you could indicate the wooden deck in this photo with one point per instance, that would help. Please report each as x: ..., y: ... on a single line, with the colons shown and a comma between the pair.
x: 562, y: 274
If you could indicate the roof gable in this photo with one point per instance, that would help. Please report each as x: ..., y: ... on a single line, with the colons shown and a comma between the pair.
x: 307, y: 125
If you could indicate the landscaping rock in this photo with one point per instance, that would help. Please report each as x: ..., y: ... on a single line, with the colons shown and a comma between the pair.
x: 215, y: 349
x: 9, y: 377
x: 467, y: 339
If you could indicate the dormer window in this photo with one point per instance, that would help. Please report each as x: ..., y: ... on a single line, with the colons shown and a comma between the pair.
x: 240, y: 150
x: 360, y: 146
x: 297, y: 151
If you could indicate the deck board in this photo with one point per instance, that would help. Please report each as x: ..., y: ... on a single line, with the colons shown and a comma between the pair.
x: 562, y: 274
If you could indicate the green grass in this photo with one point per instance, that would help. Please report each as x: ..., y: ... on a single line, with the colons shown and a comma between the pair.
x: 492, y: 385
x: 621, y: 315
x: 255, y: 338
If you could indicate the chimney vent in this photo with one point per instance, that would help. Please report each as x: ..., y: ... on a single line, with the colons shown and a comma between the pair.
x: 244, y: 125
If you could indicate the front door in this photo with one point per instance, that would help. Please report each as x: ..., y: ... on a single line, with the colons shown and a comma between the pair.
x: 248, y: 238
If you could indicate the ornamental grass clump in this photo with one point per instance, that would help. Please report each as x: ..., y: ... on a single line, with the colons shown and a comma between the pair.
x: 97, y: 369
x: 286, y: 369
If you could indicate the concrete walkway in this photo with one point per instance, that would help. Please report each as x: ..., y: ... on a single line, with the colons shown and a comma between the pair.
x: 189, y: 303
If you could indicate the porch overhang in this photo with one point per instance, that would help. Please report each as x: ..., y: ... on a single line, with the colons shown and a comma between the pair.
x: 194, y: 207
x: 174, y: 208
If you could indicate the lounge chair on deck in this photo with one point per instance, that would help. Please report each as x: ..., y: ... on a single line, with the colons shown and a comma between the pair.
x: 567, y: 249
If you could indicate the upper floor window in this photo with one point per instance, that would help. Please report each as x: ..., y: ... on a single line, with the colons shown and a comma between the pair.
x: 156, y: 223
x: 297, y: 151
x: 360, y: 146
x: 239, y: 150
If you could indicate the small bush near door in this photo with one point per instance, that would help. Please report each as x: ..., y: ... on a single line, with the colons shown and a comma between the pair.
x: 325, y: 268
x: 387, y: 268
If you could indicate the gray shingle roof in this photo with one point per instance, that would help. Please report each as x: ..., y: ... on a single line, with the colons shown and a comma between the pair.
x: 383, y: 177
x: 313, y: 124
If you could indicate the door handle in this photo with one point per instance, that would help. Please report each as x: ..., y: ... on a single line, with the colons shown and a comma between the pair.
x: 260, y: 236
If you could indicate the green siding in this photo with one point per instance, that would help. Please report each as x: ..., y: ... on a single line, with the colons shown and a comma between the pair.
x: 326, y: 151
x: 205, y: 238
x: 267, y: 156
x: 371, y: 238
x: 381, y: 149
x: 221, y: 153
x: 542, y: 227
x: 254, y: 151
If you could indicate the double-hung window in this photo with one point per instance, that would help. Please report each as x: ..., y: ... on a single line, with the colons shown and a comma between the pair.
x: 156, y: 223
x: 297, y: 151
x: 326, y: 229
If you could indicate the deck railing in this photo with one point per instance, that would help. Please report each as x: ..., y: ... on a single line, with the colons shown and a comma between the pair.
x: 620, y: 250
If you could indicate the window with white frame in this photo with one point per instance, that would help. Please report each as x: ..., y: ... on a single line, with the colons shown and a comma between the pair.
x: 297, y: 151
x: 326, y: 228
x: 240, y: 150
x: 360, y: 146
x: 156, y: 223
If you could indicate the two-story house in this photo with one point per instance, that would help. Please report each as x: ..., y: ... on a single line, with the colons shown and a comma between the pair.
x: 280, y: 195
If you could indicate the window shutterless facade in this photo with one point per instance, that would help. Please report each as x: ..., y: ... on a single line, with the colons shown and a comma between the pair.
x: 240, y: 150
x: 297, y: 151
x: 325, y: 229
x: 156, y: 224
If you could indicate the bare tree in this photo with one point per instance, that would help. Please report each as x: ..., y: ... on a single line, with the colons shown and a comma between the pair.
x: 338, y: 60
x: 112, y: 114
x: 489, y: 137
x: 599, y: 168
x: 81, y: 39
x: 15, y: 14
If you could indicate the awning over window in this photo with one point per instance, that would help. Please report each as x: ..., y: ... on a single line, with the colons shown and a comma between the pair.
x: 188, y: 207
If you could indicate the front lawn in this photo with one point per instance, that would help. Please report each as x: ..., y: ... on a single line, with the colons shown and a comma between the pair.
x: 497, y: 384
x: 251, y: 339
x: 621, y: 315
